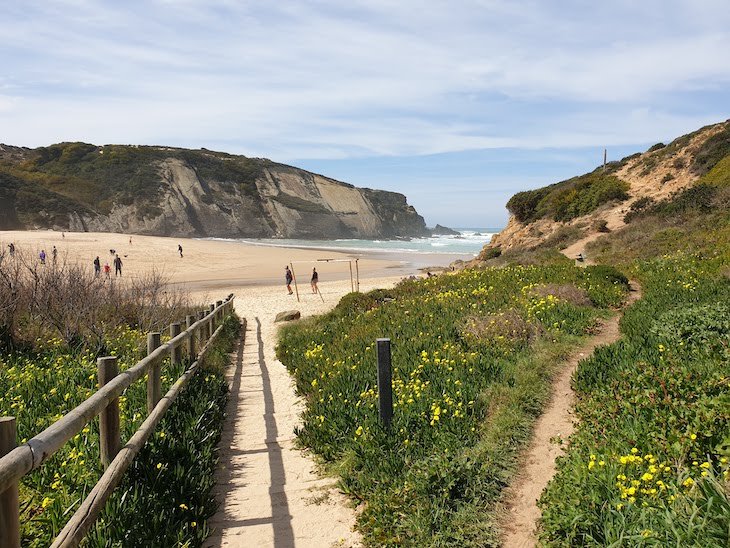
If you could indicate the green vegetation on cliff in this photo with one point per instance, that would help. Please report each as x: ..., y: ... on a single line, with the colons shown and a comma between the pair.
x: 568, y: 199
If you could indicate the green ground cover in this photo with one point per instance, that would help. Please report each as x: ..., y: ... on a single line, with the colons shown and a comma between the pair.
x: 39, y: 386
x: 473, y: 355
x: 648, y: 464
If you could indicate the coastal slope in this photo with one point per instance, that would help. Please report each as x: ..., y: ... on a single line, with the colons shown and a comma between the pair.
x: 641, y: 204
x: 167, y: 191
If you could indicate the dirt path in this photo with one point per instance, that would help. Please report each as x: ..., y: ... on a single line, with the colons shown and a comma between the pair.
x: 538, y: 461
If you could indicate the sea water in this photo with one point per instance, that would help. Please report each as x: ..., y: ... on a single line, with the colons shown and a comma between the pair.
x: 469, y: 243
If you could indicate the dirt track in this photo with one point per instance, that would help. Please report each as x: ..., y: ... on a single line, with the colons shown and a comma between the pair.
x: 538, y: 461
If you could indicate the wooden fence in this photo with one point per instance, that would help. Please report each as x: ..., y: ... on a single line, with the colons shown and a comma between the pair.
x: 15, y: 462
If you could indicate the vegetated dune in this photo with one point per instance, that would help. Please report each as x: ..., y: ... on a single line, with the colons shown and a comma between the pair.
x: 571, y: 214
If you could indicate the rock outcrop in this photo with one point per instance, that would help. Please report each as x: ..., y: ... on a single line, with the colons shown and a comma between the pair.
x: 178, y: 192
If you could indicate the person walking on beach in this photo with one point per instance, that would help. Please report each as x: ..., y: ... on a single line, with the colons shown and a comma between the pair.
x: 42, y: 256
x: 315, y: 281
x: 97, y: 266
x: 288, y: 276
x: 117, y: 266
x: 11, y: 247
x: 179, y: 249
x: 107, y: 270
x: 54, y: 253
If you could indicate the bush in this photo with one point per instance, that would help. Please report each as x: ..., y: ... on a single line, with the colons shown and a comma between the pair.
x: 490, y: 253
x: 601, y: 225
x: 656, y: 147
x: 569, y: 199
x: 712, y: 151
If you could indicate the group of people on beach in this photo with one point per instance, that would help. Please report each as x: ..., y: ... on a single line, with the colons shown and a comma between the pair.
x: 289, y: 278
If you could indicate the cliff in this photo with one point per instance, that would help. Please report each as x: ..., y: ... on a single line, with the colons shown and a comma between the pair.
x: 179, y: 192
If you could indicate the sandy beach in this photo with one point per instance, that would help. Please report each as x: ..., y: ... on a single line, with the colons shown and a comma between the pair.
x: 270, y: 492
x: 216, y: 264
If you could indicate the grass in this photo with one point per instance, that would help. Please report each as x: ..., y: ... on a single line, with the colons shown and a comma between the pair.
x: 465, y: 392
x: 648, y: 464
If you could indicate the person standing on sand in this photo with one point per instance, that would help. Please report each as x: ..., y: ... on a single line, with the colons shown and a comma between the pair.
x: 97, y: 266
x: 130, y: 240
x: 54, y: 253
x: 107, y: 270
x: 11, y: 247
x: 117, y: 266
x: 179, y: 249
x: 315, y: 281
x: 42, y: 256
x: 289, y: 278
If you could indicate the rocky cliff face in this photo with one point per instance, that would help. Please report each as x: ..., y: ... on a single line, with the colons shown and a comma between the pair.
x: 177, y: 192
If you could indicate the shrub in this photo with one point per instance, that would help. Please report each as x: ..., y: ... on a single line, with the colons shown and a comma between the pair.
x: 718, y: 175
x: 667, y: 177
x: 656, y: 147
x: 601, y: 225
x: 506, y: 329
x: 490, y: 253
x: 711, y: 152
x: 565, y: 292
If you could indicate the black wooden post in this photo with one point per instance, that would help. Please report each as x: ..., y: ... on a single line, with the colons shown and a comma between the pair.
x: 385, y: 389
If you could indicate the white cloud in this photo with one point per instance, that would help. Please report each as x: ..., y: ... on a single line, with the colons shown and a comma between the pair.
x: 327, y: 79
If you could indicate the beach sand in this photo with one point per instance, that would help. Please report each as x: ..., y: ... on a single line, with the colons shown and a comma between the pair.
x: 269, y: 491
x: 215, y: 264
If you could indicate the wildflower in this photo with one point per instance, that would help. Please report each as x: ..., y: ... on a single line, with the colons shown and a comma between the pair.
x: 46, y: 502
x: 183, y: 506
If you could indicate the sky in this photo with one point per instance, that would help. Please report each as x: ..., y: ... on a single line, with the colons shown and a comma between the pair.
x: 457, y: 104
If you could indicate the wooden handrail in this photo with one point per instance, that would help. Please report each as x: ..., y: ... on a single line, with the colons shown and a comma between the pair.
x: 32, y: 454
x: 84, y: 518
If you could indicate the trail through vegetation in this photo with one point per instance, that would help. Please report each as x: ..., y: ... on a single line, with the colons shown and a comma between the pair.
x: 551, y: 431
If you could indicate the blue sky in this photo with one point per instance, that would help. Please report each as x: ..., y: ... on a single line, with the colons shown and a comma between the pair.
x: 456, y: 104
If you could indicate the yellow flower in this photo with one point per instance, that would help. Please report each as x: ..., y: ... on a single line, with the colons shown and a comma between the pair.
x: 159, y: 465
x: 46, y: 502
x: 183, y: 506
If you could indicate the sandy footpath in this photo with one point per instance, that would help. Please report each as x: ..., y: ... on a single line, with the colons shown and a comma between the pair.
x: 269, y: 491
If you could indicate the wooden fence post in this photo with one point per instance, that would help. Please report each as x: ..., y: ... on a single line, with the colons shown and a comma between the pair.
x: 203, y: 329
x: 220, y: 311
x: 385, y: 388
x: 189, y: 321
x: 109, y: 435
x: 154, y: 384
x: 9, y: 504
x: 176, y: 352
x: 211, y: 322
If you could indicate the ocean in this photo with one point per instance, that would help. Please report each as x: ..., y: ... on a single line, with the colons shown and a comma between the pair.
x: 469, y: 244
